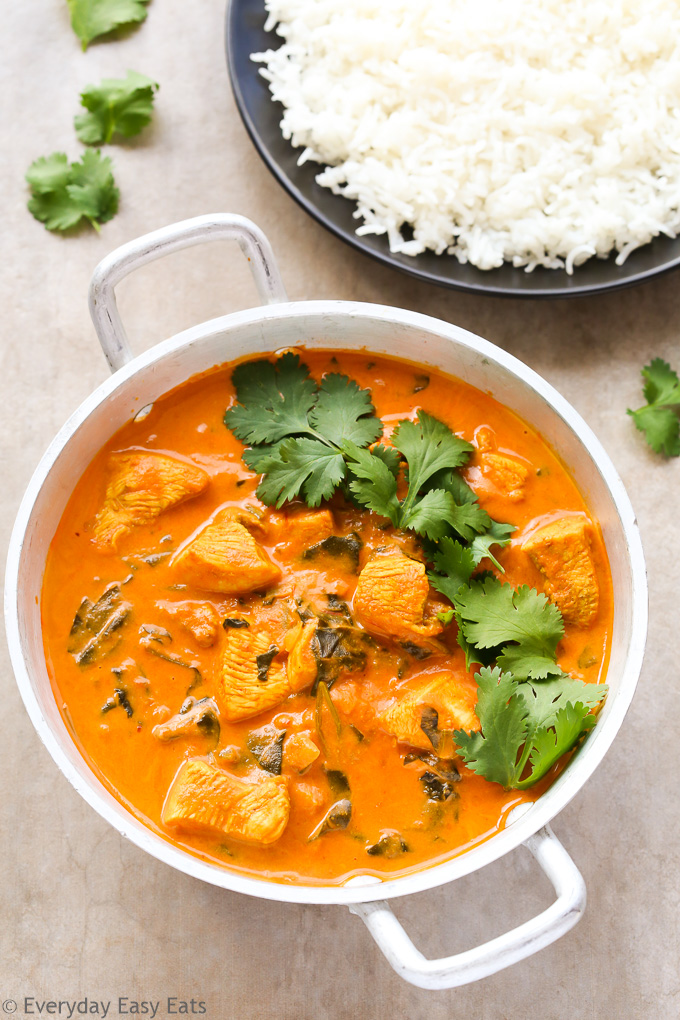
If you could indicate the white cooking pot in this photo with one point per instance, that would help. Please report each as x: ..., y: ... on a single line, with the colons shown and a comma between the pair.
x: 348, y: 325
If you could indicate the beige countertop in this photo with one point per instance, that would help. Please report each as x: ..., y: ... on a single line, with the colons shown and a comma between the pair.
x: 86, y: 914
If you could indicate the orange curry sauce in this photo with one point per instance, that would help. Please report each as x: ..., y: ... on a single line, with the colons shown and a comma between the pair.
x: 386, y: 793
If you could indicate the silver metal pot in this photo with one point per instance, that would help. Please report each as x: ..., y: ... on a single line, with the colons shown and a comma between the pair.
x: 347, y: 325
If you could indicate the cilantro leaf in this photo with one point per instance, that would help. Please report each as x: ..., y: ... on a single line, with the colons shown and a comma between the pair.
x: 548, y: 745
x: 496, y: 534
x: 493, y: 751
x: 63, y: 194
x: 301, y: 466
x: 116, y: 105
x: 49, y: 173
x: 344, y: 411
x: 92, y: 18
x: 658, y: 419
x: 662, y: 385
x: 454, y: 560
x: 452, y: 481
x: 389, y: 456
x: 274, y: 401
x: 661, y: 428
x: 492, y: 614
x: 373, y: 483
x: 432, y: 515
x: 525, y: 725
x: 429, y: 446
x: 544, y: 698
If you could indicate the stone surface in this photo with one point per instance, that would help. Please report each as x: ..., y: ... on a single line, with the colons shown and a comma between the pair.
x: 85, y: 913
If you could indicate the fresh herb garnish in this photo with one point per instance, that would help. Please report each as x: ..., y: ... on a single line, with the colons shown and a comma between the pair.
x: 64, y: 193
x: 116, y: 106
x: 526, y: 725
x: 429, y: 447
x: 296, y: 428
x: 92, y: 18
x: 519, y: 624
x: 658, y: 419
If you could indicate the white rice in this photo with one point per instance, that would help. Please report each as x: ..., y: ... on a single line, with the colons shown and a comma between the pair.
x: 541, y: 132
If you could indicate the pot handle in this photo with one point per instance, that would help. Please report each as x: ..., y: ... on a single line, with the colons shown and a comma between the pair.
x: 149, y: 247
x: 501, y: 952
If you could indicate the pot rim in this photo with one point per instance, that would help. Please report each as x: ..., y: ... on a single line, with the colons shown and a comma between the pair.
x: 366, y: 889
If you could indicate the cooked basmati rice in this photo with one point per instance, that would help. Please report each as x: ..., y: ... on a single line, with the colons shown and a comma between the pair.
x: 541, y: 132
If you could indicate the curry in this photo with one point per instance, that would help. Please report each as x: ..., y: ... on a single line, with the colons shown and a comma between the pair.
x: 293, y: 687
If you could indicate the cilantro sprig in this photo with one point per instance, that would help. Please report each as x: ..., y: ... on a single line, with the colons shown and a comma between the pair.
x: 527, y: 726
x: 297, y: 428
x: 520, y: 625
x: 429, y: 448
x: 658, y: 419
x: 93, y: 18
x: 116, y: 106
x: 63, y: 193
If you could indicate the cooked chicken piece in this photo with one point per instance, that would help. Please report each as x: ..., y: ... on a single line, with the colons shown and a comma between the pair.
x: 299, y: 751
x: 141, y: 486
x: 194, y: 719
x: 507, y: 473
x: 561, y: 551
x: 302, y: 665
x: 302, y: 529
x: 199, y: 619
x: 225, y: 557
x: 391, y: 597
x: 203, y: 798
x: 453, y: 701
x: 250, y: 677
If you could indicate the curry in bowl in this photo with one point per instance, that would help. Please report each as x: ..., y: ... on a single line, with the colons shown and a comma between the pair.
x: 326, y: 614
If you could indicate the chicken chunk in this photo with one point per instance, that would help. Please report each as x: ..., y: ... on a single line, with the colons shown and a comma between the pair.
x: 225, y: 557
x: 206, y: 799
x: 302, y: 529
x: 452, y: 699
x: 142, y: 484
x: 391, y: 599
x: 507, y: 474
x: 199, y: 619
x: 250, y: 677
x: 299, y: 752
x: 562, y: 552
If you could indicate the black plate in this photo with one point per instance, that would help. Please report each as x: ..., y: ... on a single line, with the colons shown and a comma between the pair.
x: 245, y: 35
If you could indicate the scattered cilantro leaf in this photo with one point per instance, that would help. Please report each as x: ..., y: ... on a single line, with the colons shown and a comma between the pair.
x: 525, y: 725
x: 117, y: 105
x: 658, y: 419
x: 92, y: 18
x: 63, y: 194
